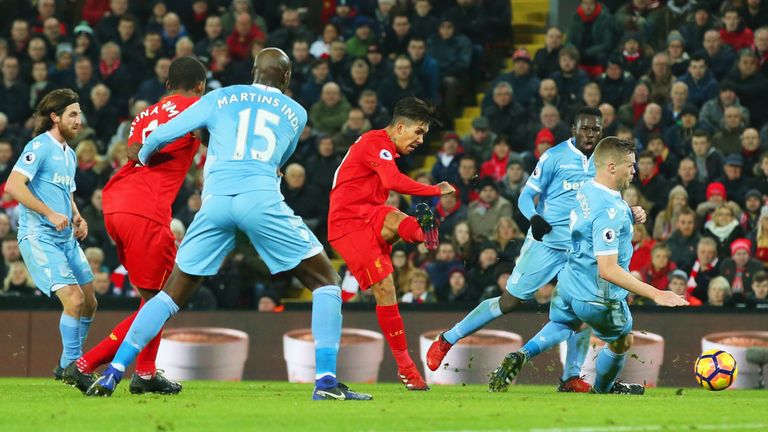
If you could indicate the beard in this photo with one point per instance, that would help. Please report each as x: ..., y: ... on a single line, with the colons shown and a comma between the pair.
x: 68, y: 132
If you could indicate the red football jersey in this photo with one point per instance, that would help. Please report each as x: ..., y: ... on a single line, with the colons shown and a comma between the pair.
x: 149, y: 191
x: 363, y: 181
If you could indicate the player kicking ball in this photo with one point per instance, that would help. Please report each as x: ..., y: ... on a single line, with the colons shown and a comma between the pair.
x: 137, y: 215
x: 42, y: 181
x: 555, y: 181
x: 595, y: 282
x: 362, y: 229
x: 254, y: 130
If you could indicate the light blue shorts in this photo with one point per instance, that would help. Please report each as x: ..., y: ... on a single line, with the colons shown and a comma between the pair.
x: 609, y: 320
x: 280, y: 237
x: 54, y: 263
x: 537, y: 266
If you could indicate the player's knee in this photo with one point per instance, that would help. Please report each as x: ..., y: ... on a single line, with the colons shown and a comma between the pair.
x: 73, y: 301
x: 90, y: 304
x: 508, y: 302
x: 622, y: 344
x: 325, y: 278
x: 384, y: 292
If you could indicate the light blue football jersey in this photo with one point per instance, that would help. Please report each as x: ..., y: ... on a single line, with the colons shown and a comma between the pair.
x: 559, y: 174
x: 50, y: 167
x: 254, y: 130
x: 601, y: 224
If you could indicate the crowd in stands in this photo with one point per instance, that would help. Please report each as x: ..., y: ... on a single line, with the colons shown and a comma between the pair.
x: 686, y: 80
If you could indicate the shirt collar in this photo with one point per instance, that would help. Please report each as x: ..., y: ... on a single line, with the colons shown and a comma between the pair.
x: 267, y: 88
x: 574, y: 149
x: 62, y: 145
x: 606, y: 188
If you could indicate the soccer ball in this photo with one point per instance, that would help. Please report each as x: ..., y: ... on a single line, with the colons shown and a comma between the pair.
x: 715, y: 370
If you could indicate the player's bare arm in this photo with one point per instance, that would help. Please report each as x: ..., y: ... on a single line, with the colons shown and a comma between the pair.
x: 17, y: 187
x: 80, y: 225
x: 132, y: 152
x: 608, y: 268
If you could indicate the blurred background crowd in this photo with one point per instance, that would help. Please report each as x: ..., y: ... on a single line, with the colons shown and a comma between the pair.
x: 687, y: 80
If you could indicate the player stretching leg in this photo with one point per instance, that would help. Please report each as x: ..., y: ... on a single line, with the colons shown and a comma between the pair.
x: 254, y: 130
x: 557, y: 177
x: 137, y: 214
x: 362, y: 229
x: 42, y: 181
x: 594, y: 284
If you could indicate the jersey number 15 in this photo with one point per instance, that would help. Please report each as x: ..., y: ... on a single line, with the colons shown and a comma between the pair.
x: 261, y: 128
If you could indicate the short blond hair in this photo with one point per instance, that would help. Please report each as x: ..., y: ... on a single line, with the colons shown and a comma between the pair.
x: 612, y: 149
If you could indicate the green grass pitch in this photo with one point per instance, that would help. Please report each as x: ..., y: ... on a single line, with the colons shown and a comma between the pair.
x: 45, y: 405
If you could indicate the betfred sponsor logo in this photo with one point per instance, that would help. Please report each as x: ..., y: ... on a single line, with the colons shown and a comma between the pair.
x: 572, y: 185
x: 62, y: 180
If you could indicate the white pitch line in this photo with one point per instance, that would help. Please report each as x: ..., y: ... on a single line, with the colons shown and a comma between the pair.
x: 639, y: 428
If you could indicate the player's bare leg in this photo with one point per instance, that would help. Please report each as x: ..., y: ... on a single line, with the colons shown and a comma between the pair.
x: 318, y: 275
x: 475, y: 320
x: 73, y: 299
x: 391, y: 324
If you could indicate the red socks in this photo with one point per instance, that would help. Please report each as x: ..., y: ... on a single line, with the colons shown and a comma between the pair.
x: 410, y: 231
x: 145, y: 361
x: 391, y: 324
x: 107, y: 348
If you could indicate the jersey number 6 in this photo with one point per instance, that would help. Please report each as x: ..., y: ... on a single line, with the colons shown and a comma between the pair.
x: 261, y: 128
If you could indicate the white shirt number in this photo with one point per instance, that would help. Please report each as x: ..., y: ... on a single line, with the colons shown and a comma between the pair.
x: 261, y: 128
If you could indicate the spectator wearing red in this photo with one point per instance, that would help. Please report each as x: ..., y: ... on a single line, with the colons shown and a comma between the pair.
x: 642, y: 243
x: 450, y: 212
x: 740, y: 268
x: 760, y: 239
x: 706, y: 267
x: 665, y: 159
x: 677, y: 280
x: 657, y: 272
x: 651, y: 184
x: 632, y: 59
x: 466, y: 187
x: 631, y: 112
x: 734, y: 32
x: 543, y: 142
x: 590, y: 32
x: 244, y: 34
x: 496, y: 167
x: 94, y: 10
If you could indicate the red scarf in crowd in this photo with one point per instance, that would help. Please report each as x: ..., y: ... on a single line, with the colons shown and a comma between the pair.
x: 443, y: 212
x: 637, y: 110
x: 695, y: 272
x: 106, y: 70
x: 650, y: 177
x: 591, y: 17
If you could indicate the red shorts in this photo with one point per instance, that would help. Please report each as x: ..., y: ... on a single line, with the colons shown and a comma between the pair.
x: 365, y: 252
x: 146, y: 248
